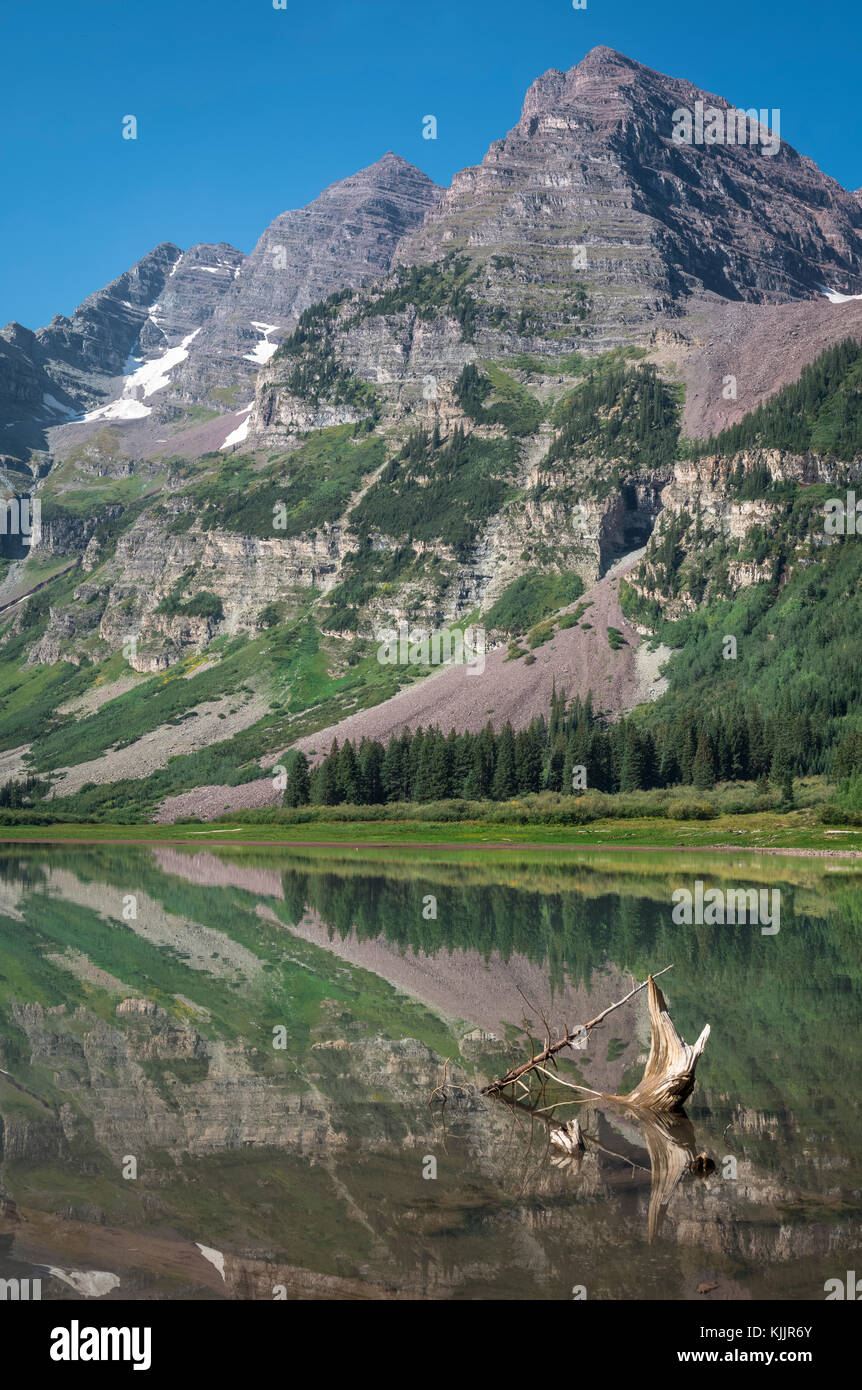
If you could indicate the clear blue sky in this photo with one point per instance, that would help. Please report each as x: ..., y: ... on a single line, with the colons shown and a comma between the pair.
x: 244, y: 110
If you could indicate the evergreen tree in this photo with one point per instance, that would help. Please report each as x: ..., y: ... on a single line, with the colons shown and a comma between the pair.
x: 668, y: 772
x: 554, y: 779
x: 505, y: 777
x: 759, y: 754
x: 703, y: 769
x: 414, y: 760
x: 371, y: 773
x: 738, y: 743
x: 787, y: 797
x: 392, y: 771
x: 425, y: 784
x: 347, y: 775
x: 298, y: 789
x: 529, y: 759
x: 687, y: 750
x: 325, y: 789
x: 487, y: 759
x: 631, y: 766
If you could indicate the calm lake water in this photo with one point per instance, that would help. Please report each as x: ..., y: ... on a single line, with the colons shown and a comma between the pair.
x: 217, y: 1068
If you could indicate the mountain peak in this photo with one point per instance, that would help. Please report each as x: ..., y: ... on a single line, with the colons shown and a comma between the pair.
x: 390, y: 168
x: 593, y: 165
x: 345, y: 236
x: 392, y: 160
x: 598, y: 76
x: 601, y: 56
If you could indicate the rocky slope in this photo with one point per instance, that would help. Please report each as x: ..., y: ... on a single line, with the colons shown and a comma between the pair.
x: 345, y: 236
x: 69, y: 364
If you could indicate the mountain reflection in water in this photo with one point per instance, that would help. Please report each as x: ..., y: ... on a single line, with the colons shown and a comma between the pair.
x: 260, y: 1031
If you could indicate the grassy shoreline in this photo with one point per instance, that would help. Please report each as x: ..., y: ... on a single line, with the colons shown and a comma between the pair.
x: 772, y: 832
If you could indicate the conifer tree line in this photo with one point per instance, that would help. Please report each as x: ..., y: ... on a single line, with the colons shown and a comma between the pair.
x: 732, y: 744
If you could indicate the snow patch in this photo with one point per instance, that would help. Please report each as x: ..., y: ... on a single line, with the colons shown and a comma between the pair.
x: 118, y: 410
x: 144, y: 380
x: 263, y: 350
x: 836, y: 297
x: 53, y: 404
x: 241, y: 431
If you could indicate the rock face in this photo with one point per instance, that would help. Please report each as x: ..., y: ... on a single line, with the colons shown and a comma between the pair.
x: 592, y: 164
x: 588, y: 220
x: 199, y: 280
x: 586, y: 226
x: 244, y: 572
x: 699, y: 505
x: 345, y: 236
x: 102, y: 332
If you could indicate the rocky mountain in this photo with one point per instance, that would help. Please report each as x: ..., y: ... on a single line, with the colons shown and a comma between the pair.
x: 50, y: 374
x: 73, y: 363
x: 408, y: 407
x: 590, y: 185
x: 233, y: 305
x: 345, y: 236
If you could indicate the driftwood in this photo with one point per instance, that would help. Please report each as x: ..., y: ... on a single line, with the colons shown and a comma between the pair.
x: 571, y: 1038
x: 668, y: 1078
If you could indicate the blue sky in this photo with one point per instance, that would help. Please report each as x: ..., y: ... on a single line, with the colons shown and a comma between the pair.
x: 244, y: 110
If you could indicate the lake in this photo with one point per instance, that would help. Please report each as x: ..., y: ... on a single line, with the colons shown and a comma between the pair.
x: 219, y: 1075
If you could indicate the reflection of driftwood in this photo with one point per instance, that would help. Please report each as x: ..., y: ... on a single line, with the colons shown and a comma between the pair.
x: 568, y: 1137
x: 569, y: 1038
x: 669, y: 1138
x: 655, y: 1104
x: 669, y: 1076
x: 671, y: 1147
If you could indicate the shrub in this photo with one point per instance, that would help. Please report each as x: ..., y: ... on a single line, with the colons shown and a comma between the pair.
x: 691, y: 810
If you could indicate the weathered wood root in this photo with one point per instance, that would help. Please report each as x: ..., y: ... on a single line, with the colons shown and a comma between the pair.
x: 668, y: 1078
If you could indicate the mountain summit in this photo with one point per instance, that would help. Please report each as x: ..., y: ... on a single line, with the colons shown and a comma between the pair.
x: 586, y: 223
x: 592, y: 178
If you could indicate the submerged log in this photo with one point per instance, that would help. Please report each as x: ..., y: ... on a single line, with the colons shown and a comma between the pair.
x: 571, y: 1038
x: 668, y: 1079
